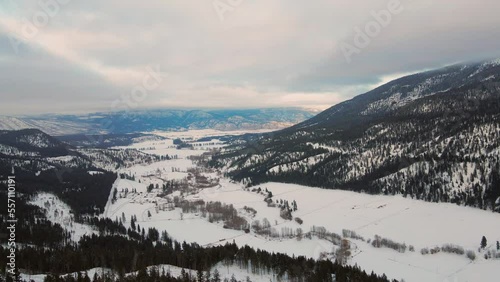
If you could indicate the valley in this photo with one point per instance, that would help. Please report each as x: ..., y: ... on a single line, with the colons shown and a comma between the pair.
x: 401, y: 183
x: 416, y: 224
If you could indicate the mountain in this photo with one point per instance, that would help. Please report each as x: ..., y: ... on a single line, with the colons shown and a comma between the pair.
x: 135, y: 121
x: 107, y: 140
x: 31, y: 142
x: 433, y: 136
x: 51, y: 124
x: 393, y: 96
x: 82, y: 177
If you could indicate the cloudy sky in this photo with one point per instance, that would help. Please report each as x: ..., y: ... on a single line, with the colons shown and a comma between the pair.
x: 74, y: 56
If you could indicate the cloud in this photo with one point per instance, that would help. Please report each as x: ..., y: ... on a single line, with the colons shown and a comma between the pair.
x: 262, y: 54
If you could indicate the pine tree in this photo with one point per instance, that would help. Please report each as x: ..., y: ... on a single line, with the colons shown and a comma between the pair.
x: 498, y: 246
x: 199, y: 275
x: 208, y: 276
x: 216, y: 276
x: 132, y: 222
x: 484, y: 242
x: 183, y: 272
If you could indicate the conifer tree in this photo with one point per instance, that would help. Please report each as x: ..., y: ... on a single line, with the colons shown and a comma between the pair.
x: 484, y: 242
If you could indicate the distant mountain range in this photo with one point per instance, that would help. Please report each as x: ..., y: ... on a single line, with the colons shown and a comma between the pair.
x: 433, y: 136
x: 150, y: 120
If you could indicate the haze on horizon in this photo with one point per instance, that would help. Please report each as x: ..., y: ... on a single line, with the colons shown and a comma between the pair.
x: 81, y: 56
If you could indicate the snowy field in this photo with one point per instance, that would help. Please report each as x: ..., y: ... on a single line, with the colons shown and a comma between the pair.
x: 415, y: 223
x: 59, y: 212
x: 197, y: 134
x: 225, y: 271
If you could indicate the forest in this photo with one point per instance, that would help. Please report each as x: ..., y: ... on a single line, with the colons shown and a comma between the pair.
x: 135, y: 252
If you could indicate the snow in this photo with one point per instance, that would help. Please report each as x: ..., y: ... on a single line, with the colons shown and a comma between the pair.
x: 197, y: 134
x: 90, y: 273
x: 241, y: 274
x: 413, y: 222
x: 425, y: 225
x: 58, y: 212
x: 50, y: 126
x: 225, y: 271
x: 61, y: 159
x: 484, y: 66
x: 12, y: 151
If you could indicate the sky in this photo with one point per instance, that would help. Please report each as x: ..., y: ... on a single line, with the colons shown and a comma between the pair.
x: 69, y: 56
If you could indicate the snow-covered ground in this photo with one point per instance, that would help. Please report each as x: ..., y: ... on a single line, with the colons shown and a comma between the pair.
x: 197, y: 134
x: 99, y: 271
x: 416, y: 223
x: 410, y: 221
x: 58, y: 212
x: 225, y: 271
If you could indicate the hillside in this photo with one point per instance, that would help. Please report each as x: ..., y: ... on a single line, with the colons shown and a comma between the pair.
x: 82, y: 177
x: 432, y: 136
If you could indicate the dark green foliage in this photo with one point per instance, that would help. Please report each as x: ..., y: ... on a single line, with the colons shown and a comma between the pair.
x: 84, y: 193
x: 484, y: 242
x: 128, y: 255
x: 32, y: 226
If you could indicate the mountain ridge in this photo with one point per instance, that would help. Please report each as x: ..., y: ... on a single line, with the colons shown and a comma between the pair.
x: 433, y: 136
x: 445, y: 78
x: 135, y: 121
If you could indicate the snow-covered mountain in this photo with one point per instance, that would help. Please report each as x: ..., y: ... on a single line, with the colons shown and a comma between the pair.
x: 35, y: 151
x: 150, y: 120
x: 81, y: 176
x: 51, y: 125
x: 433, y: 136
x: 30, y: 142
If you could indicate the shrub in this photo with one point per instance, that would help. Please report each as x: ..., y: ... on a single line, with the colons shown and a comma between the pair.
x: 286, y: 214
x: 424, y: 251
x: 435, y: 250
x: 453, y: 249
x: 322, y: 233
x: 379, y: 242
x: 299, y: 220
x: 352, y: 234
x: 494, y: 254
x: 471, y: 255
x: 250, y: 210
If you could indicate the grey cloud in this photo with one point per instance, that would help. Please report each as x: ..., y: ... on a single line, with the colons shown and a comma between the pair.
x: 263, y: 53
x: 33, y: 81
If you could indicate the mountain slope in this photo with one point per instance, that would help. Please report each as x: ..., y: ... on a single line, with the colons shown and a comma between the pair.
x: 31, y: 141
x: 50, y: 125
x: 82, y: 177
x: 433, y: 136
